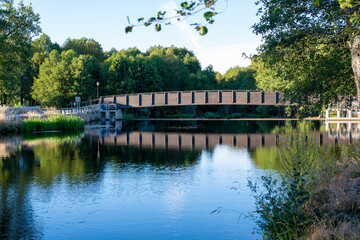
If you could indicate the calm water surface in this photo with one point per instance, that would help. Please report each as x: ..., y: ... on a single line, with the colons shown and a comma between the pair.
x: 142, y: 180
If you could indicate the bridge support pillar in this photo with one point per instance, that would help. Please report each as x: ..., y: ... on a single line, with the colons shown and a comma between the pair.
x: 118, y: 115
x: 107, y: 114
x: 338, y: 113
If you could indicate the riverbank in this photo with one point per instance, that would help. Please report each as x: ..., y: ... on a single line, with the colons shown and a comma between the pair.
x: 317, y: 195
x: 37, y: 119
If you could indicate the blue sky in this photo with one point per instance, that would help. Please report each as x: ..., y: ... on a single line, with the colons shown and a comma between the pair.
x: 104, y: 21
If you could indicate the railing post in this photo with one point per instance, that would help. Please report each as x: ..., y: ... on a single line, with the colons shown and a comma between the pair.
x: 327, y: 114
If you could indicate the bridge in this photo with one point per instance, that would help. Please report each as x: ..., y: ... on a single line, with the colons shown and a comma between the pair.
x: 112, y: 105
x: 199, y: 97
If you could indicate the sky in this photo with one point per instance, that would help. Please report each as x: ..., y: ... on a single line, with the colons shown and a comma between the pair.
x: 104, y: 21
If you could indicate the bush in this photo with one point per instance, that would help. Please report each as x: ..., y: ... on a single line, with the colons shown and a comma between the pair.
x: 280, y: 209
x: 236, y: 115
x: 211, y: 115
x: 52, y: 123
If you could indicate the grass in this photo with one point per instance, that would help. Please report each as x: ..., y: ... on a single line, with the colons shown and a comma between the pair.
x: 52, y: 123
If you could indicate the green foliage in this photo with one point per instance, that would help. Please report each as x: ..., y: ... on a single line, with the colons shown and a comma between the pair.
x: 239, y: 78
x: 186, y: 9
x: 44, y: 44
x: 212, y: 115
x: 280, y: 208
x: 85, y: 46
x: 306, y: 72
x: 129, y: 74
x: 52, y: 123
x: 305, y: 51
x: 17, y: 27
x: 64, y: 76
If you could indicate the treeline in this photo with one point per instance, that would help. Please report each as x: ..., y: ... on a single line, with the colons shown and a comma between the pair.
x: 55, y: 74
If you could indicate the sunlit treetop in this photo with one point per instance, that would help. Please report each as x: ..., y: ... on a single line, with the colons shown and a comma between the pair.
x: 352, y: 7
x: 186, y: 9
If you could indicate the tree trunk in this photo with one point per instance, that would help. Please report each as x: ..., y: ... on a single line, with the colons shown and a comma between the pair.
x: 355, y: 62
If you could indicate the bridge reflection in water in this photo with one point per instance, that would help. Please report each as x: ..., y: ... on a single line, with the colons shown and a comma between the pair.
x: 343, y: 133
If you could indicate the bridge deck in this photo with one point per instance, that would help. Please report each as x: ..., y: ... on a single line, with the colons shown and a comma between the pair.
x: 203, y: 97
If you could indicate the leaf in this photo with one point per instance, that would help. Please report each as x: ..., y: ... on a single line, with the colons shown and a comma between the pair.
x: 128, y: 29
x: 211, y: 21
x: 147, y: 24
x: 184, y: 5
x: 315, y: 3
x: 158, y: 27
x: 140, y: 19
x: 128, y: 19
x: 203, y: 30
x: 208, y: 15
x: 152, y: 19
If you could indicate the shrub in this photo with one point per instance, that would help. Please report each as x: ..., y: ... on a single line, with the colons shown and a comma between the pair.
x: 52, y: 123
x: 280, y: 209
x: 211, y: 115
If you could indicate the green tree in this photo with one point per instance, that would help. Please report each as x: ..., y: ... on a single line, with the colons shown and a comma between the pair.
x: 239, y: 78
x: 321, y: 74
x: 64, y: 76
x: 300, y: 32
x: 129, y: 74
x: 44, y: 44
x: 85, y: 46
x: 18, y: 26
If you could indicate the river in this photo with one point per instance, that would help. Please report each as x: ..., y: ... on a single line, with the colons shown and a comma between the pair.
x: 140, y: 180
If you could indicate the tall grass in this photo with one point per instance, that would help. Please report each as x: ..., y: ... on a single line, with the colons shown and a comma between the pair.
x: 316, y: 195
x: 52, y: 123
x: 280, y: 209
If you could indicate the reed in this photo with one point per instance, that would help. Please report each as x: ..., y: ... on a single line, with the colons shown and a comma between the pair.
x: 52, y: 123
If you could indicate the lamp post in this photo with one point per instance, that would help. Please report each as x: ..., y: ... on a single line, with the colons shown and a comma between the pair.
x: 97, y: 89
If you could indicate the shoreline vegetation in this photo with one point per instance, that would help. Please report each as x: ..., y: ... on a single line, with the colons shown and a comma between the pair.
x: 52, y: 123
x: 12, y: 119
x: 317, y: 195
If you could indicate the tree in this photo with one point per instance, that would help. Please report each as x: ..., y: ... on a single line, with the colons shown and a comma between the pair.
x: 321, y: 73
x: 44, y: 44
x: 129, y: 74
x: 18, y: 26
x: 290, y: 27
x: 240, y: 78
x: 64, y: 76
x: 85, y: 46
